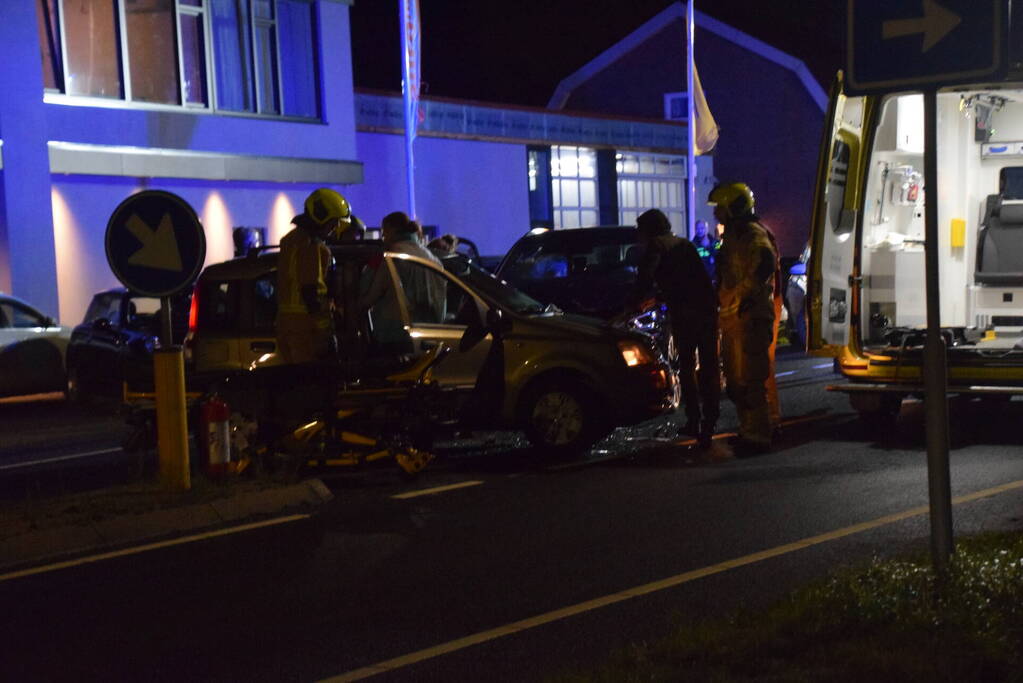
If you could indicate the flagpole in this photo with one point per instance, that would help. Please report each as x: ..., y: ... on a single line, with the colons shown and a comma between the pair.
x: 410, y: 89
x: 690, y: 123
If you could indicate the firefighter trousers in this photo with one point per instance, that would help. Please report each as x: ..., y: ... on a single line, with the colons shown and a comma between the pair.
x: 746, y: 360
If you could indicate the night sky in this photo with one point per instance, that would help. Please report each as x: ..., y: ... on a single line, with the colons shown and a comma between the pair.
x: 516, y: 51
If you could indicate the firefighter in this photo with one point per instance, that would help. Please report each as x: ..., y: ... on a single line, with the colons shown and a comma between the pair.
x: 672, y: 264
x: 747, y: 271
x: 304, y: 325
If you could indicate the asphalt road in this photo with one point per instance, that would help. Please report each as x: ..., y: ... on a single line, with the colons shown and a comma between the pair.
x: 500, y: 564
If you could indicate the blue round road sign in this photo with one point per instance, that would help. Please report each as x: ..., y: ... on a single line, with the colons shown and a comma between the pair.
x: 155, y: 243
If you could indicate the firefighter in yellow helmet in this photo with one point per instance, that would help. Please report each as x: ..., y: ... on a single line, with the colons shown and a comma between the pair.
x: 747, y: 277
x: 304, y: 325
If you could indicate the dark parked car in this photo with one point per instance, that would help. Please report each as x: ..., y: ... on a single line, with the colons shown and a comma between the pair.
x: 31, y: 349
x: 115, y: 343
x: 589, y: 271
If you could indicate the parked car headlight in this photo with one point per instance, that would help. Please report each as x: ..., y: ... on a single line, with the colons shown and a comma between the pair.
x: 634, y: 353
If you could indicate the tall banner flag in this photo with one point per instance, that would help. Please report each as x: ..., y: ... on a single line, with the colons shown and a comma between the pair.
x: 703, y: 131
x: 410, y: 70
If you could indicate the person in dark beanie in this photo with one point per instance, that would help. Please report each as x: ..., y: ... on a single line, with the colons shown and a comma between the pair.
x: 672, y: 266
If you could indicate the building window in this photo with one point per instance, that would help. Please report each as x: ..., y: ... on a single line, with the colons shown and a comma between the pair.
x: 49, y: 41
x: 574, y: 184
x: 254, y: 56
x: 91, y: 48
x: 651, y: 181
x: 152, y: 53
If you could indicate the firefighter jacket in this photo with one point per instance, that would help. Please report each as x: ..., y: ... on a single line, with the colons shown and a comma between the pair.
x: 739, y: 260
x: 304, y: 262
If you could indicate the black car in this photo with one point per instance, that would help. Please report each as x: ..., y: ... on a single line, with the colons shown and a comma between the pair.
x: 588, y: 271
x: 115, y: 343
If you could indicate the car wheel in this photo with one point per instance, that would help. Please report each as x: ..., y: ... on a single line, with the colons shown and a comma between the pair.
x: 560, y: 418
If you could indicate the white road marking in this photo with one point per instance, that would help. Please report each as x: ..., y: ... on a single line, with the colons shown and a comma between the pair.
x: 436, y: 489
x: 824, y: 365
x: 61, y: 458
x: 786, y: 373
x: 648, y: 588
x: 135, y: 550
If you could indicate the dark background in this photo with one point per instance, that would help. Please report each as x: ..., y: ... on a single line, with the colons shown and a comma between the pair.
x: 517, y: 51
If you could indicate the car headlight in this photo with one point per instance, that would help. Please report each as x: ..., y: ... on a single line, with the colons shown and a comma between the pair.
x: 635, y: 353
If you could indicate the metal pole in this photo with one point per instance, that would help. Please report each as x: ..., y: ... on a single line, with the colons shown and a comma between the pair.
x: 935, y: 361
x: 171, y: 418
x: 171, y: 410
x: 410, y: 97
x: 166, y: 330
x: 690, y: 123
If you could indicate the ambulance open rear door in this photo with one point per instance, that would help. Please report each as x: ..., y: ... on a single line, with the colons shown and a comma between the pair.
x: 834, y: 269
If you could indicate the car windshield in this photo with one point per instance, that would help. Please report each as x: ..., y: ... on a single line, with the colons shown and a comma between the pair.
x: 490, y: 287
x: 569, y: 253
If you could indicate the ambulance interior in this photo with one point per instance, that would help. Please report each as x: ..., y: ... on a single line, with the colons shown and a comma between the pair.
x: 980, y: 224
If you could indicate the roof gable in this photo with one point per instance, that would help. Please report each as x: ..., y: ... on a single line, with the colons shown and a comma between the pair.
x: 674, y: 12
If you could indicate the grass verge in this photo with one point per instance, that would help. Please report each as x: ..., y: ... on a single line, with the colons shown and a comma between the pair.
x: 893, y: 620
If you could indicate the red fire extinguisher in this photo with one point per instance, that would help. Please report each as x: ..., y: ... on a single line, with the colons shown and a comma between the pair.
x: 216, y: 433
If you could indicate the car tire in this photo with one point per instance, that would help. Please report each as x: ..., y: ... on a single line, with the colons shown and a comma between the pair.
x: 562, y: 419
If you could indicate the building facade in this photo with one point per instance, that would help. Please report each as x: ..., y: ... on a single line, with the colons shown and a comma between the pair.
x: 223, y: 102
x: 242, y: 107
x: 490, y: 173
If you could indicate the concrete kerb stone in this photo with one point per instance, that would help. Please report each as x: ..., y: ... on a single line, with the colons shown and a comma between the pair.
x: 34, y: 547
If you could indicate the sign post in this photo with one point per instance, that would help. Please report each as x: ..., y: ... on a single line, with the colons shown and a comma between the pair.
x: 156, y: 246
x: 924, y: 45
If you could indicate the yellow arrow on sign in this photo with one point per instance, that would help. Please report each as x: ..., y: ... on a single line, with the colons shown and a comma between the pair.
x: 159, y: 248
x: 935, y: 24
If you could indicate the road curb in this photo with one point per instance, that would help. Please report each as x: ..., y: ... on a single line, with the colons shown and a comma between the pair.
x: 38, y: 546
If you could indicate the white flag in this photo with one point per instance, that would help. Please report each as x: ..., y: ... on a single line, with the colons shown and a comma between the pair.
x: 706, y: 129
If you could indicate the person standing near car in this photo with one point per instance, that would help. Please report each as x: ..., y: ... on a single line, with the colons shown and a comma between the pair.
x: 707, y: 246
x: 747, y: 270
x: 304, y: 325
x: 425, y: 292
x: 672, y: 265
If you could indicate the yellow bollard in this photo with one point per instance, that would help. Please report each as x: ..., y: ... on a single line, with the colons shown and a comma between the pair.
x: 171, y: 418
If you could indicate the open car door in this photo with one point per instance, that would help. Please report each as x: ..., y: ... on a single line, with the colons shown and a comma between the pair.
x: 834, y: 269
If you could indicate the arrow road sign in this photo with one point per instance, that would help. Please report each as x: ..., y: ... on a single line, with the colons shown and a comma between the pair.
x: 935, y: 24
x: 917, y: 44
x: 155, y: 244
x: 159, y: 249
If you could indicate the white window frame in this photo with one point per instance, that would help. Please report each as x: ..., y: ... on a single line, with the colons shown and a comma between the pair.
x: 579, y: 214
x: 640, y: 189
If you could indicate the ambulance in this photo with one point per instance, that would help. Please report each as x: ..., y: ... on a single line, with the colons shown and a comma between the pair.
x: 866, y: 301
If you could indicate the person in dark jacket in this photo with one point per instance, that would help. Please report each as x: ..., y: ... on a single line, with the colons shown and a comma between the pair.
x: 672, y: 266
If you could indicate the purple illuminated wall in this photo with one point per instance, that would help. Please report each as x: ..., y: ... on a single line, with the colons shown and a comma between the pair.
x: 57, y: 261
x: 470, y: 188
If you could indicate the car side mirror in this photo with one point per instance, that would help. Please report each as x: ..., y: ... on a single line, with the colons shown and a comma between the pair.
x: 49, y: 322
x: 496, y: 324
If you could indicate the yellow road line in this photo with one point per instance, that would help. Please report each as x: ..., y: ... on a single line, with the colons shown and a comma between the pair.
x: 653, y: 587
x: 149, y: 546
x: 436, y: 489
